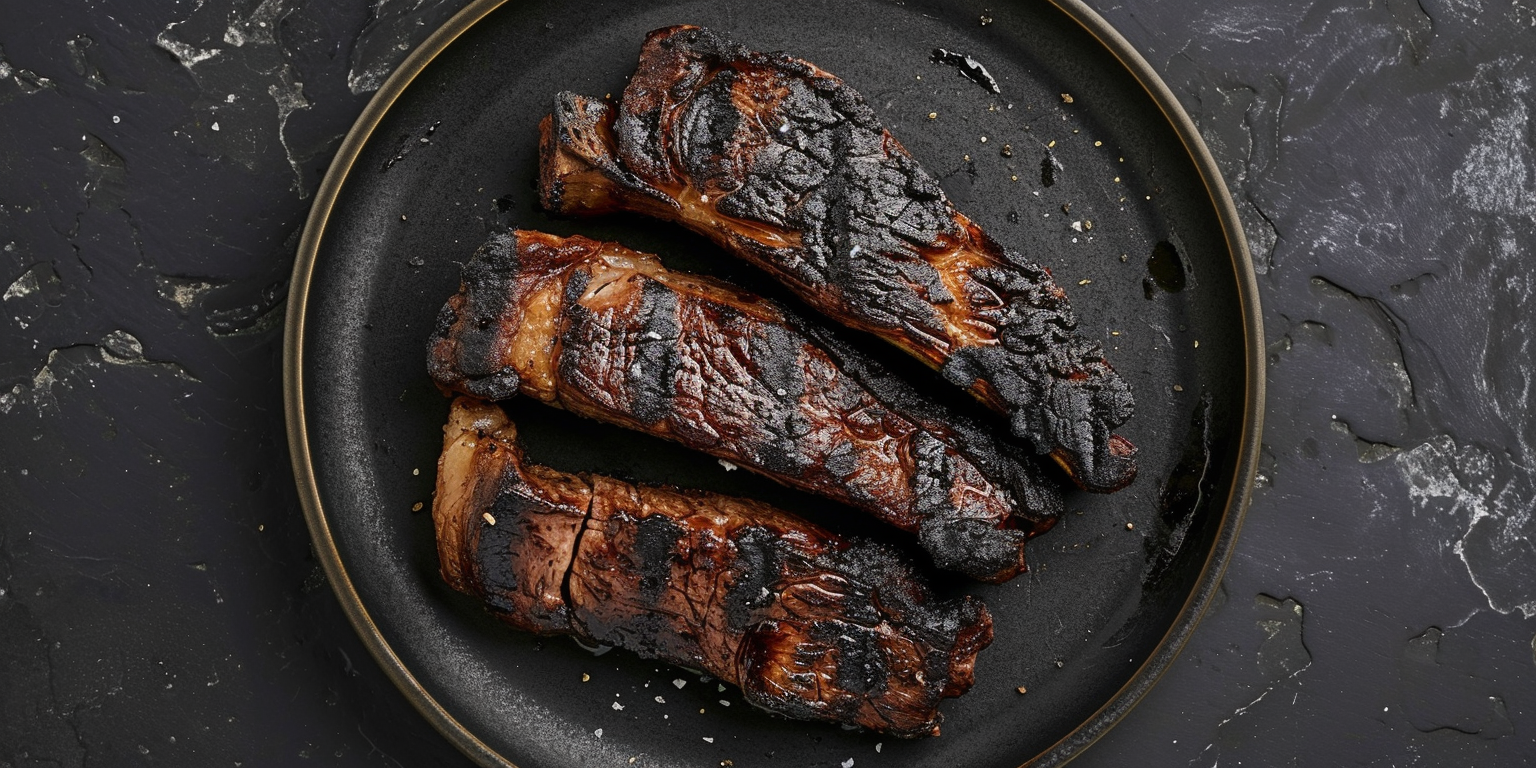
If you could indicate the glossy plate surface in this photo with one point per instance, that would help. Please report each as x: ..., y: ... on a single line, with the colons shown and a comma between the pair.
x: 1082, y: 161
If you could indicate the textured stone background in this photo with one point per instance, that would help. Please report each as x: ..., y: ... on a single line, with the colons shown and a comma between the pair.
x: 1378, y: 611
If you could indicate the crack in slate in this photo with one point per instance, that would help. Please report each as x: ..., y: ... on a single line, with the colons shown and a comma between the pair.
x: 1368, y: 451
x: 118, y: 348
x: 1283, y: 653
x: 1391, y: 325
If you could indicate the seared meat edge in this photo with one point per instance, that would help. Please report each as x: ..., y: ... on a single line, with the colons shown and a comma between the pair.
x: 610, y: 334
x: 808, y: 624
x: 785, y: 166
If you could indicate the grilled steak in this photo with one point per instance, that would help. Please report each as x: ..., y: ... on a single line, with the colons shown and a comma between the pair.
x: 785, y: 166
x: 611, y: 334
x: 809, y: 625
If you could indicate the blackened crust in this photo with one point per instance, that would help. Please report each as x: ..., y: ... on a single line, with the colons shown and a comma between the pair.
x: 787, y: 167
x: 470, y: 333
x: 621, y: 339
x: 743, y: 591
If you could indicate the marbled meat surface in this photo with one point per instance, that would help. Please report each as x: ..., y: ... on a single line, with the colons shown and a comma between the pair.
x: 611, y: 334
x: 809, y: 625
x: 785, y: 165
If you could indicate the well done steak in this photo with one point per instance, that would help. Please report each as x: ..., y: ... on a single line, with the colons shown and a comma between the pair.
x: 611, y: 334
x: 810, y: 625
x: 784, y: 165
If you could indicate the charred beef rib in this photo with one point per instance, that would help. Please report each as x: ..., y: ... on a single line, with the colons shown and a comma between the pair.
x: 611, y: 334
x: 809, y: 625
x: 785, y: 166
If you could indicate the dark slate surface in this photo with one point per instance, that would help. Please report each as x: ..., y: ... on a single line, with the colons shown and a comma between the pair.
x: 158, y: 599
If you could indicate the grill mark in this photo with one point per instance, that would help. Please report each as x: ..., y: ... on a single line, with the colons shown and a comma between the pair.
x: 652, y: 373
x: 861, y: 667
x: 577, y: 321
x: 758, y: 565
x: 518, y: 553
x: 656, y: 540
x: 775, y: 353
x: 850, y: 618
x: 931, y: 483
x: 497, y: 577
x: 806, y: 183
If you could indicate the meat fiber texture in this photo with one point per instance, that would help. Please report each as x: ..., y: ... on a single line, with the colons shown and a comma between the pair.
x: 611, y: 334
x: 809, y: 625
x: 785, y: 166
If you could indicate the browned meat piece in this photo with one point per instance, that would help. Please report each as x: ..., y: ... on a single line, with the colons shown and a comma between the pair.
x: 518, y: 563
x: 809, y: 625
x: 611, y: 334
x: 785, y: 166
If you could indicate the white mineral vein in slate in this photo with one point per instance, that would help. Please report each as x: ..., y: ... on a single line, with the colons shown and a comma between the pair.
x: 1496, y: 176
x: 1444, y: 478
x: 188, y: 54
x: 24, y: 285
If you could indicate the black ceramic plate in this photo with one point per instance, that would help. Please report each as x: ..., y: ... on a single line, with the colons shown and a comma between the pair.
x: 1081, y: 160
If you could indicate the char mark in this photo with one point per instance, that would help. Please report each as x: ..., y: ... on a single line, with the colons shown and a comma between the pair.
x: 652, y: 375
x: 701, y: 362
x: 498, y: 578
x: 808, y: 624
x: 656, y: 540
x: 464, y: 346
x: 786, y: 166
x: 775, y: 352
x: 759, y: 561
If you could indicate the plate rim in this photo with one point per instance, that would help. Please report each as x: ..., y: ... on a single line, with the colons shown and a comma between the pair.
x: 1065, y: 749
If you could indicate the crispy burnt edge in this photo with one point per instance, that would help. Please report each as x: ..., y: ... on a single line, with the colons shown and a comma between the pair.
x: 482, y: 472
x: 1065, y: 399
x: 495, y: 516
x: 1038, y: 500
x: 466, y: 349
x: 467, y: 354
